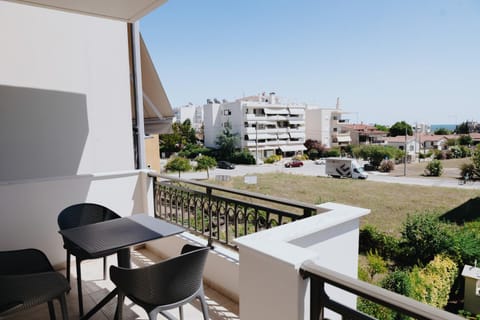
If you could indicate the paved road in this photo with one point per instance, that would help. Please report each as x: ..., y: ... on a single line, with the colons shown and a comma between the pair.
x: 312, y: 169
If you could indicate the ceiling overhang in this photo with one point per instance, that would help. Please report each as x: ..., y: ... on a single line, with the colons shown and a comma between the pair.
x: 123, y: 10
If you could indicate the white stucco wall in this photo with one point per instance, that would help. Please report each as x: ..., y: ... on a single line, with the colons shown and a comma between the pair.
x: 65, y: 124
x: 86, y: 58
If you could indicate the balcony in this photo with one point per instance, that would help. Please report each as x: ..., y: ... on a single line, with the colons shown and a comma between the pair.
x: 289, y: 248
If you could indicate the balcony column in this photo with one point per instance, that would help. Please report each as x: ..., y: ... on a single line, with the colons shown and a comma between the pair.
x: 270, y: 284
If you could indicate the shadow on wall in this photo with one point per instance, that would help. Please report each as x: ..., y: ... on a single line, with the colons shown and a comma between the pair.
x: 468, y: 211
x: 42, y: 132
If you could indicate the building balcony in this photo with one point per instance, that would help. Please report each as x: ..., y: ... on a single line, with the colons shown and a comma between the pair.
x: 272, y: 258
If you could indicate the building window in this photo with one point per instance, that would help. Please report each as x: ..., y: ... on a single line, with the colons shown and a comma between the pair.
x: 334, y: 129
x: 227, y: 112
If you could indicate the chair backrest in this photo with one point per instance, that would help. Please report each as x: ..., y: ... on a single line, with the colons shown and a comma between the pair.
x: 166, y: 282
x: 84, y: 213
x: 23, y: 261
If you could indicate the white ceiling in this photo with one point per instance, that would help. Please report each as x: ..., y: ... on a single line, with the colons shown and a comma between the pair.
x: 125, y: 10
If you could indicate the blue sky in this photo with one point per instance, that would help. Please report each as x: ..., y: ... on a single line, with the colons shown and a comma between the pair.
x: 412, y: 60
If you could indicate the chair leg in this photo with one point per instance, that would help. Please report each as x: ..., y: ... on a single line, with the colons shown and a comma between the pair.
x: 180, y: 311
x: 203, y: 304
x: 119, y: 310
x: 79, y: 287
x: 68, y: 267
x: 104, y: 268
x: 51, y: 310
x: 63, y: 306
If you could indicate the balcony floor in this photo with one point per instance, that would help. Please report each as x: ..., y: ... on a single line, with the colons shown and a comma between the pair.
x: 95, y: 288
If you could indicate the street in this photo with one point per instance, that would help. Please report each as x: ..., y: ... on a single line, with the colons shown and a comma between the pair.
x: 311, y: 169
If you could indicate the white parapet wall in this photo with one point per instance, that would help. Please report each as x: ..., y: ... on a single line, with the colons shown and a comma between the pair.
x: 270, y: 286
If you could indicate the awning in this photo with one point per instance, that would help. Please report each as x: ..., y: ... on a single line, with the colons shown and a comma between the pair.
x: 124, y: 10
x: 297, y: 135
x: 276, y: 110
x: 299, y: 147
x: 296, y: 122
x: 344, y: 139
x: 296, y: 110
x: 157, y: 111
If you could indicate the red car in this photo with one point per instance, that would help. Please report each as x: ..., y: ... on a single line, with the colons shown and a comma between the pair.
x: 294, y: 164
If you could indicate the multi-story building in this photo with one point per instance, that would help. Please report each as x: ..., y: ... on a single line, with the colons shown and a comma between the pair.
x: 264, y: 125
x: 192, y: 112
x: 325, y: 126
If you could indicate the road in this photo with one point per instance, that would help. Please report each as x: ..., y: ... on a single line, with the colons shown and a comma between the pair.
x: 311, y: 169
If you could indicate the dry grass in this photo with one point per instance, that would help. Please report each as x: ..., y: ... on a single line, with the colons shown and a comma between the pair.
x: 389, y: 203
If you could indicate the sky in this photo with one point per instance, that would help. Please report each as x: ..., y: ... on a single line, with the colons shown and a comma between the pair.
x: 387, y: 60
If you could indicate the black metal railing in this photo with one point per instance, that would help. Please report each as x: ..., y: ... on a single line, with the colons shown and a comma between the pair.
x: 319, y: 300
x: 219, y: 213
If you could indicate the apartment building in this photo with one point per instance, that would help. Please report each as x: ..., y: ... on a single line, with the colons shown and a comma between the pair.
x: 264, y: 125
x: 192, y: 112
x: 325, y: 125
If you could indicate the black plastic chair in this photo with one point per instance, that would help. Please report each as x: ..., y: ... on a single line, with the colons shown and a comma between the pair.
x: 79, y: 215
x: 166, y: 285
x: 28, y: 279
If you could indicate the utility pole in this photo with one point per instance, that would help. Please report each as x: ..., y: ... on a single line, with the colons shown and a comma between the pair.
x: 405, y: 159
x: 256, y: 142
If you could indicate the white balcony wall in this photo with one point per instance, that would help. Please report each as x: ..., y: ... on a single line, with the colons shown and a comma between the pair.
x: 66, y: 124
x: 270, y: 284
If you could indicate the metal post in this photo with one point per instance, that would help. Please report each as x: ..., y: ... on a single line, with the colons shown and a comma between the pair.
x: 256, y: 142
x: 405, y: 159
x: 137, y: 78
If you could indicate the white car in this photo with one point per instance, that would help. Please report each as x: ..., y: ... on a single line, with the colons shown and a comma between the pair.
x: 320, y: 161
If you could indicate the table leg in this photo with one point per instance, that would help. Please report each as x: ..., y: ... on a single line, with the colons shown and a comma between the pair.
x: 123, y: 259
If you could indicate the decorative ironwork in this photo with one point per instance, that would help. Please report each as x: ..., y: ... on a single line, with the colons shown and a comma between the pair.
x: 219, y: 213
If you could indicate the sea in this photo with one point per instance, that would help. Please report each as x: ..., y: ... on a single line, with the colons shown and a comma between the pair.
x: 450, y: 127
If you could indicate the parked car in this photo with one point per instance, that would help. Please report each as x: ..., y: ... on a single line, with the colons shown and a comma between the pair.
x: 294, y: 164
x: 320, y: 161
x: 225, y: 165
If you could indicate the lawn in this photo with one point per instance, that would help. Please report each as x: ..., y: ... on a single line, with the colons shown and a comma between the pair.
x: 389, y: 203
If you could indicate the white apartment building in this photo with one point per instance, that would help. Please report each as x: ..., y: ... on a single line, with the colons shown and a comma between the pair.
x: 192, y: 112
x: 325, y: 126
x: 264, y: 125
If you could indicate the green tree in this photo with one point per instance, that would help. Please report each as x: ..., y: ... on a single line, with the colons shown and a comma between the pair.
x: 182, y: 135
x: 434, y: 168
x: 226, y: 142
x: 442, y: 131
x: 205, y: 163
x: 376, y: 153
x: 465, y: 140
x: 381, y: 127
x: 179, y: 164
x: 398, y: 129
x: 462, y: 128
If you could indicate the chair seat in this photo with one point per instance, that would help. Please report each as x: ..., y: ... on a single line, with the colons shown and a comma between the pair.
x: 27, y: 290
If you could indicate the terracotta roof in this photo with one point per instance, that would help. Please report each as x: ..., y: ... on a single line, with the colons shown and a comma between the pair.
x: 399, y: 139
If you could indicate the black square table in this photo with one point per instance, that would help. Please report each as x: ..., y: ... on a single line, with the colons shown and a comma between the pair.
x: 118, y: 234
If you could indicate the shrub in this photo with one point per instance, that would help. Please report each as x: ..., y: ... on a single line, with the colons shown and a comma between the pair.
x: 398, y: 282
x: 434, y: 168
x: 273, y: 158
x: 242, y: 157
x: 372, y: 239
x: 386, y: 165
x: 178, y: 164
x: 467, y: 238
x: 334, y: 152
x: 467, y: 168
x: 376, y: 264
x: 432, y: 284
x: 422, y: 238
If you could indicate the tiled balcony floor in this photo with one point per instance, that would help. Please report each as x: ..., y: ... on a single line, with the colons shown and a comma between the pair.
x: 95, y: 288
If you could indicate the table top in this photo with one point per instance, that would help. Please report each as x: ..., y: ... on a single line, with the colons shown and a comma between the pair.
x: 102, y: 237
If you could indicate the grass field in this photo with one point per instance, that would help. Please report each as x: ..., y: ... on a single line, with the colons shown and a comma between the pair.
x: 389, y: 203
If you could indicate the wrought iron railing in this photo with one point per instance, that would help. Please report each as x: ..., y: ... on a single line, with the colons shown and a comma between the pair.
x: 319, y: 300
x: 219, y: 213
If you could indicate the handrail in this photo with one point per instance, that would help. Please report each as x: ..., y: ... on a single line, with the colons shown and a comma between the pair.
x: 216, y: 214
x: 289, y: 202
x: 320, y: 300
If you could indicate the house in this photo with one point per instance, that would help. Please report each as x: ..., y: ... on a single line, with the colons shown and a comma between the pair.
x: 409, y: 144
x: 364, y: 134
x: 431, y: 142
x: 264, y: 125
x: 325, y: 125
